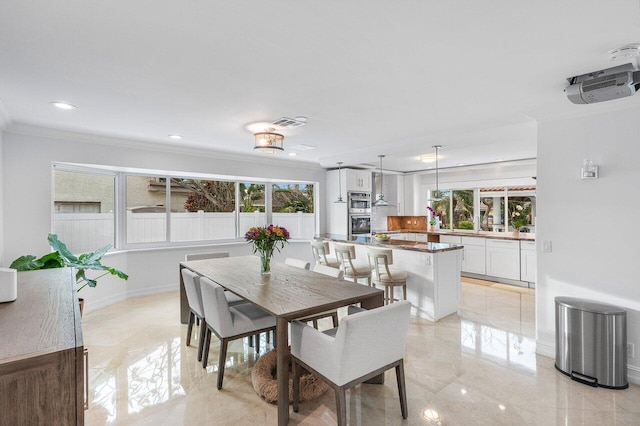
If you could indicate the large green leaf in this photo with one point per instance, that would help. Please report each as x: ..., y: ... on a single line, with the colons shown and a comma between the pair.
x: 62, y: 249
x: 51, y: 261
x: 26, y: 263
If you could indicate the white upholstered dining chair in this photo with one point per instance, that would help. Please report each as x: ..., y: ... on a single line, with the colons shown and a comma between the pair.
x: 196, y: 311
x: 302, y: 264
x: 229, y: 322
x: 333, y: 314
x: 365, y: 345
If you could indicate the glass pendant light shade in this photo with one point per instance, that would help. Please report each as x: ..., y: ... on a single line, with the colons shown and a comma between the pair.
x: 339, y: 200
x: 381, y: 202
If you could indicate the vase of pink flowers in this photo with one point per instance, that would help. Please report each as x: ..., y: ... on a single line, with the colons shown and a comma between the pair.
x: 434, y: 219
x: 265, y: 240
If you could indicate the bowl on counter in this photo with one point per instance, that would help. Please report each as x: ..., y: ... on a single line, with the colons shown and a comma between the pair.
x: 381, y: 237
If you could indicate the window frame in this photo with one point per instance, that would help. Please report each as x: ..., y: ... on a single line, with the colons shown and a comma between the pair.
x: 120, y: 201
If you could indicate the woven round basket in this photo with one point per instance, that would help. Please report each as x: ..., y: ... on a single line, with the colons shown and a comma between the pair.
x: 265, y: 383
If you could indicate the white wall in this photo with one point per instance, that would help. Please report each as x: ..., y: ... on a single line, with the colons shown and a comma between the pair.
x: 2, y: 262
x: 592, y: 223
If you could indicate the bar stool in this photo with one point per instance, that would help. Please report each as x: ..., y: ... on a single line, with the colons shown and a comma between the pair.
x: 320, y: 251
x: 390, y: 278
x: 346, y: 254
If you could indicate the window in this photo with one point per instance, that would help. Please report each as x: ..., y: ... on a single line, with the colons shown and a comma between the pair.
x: 494, y: 200
x: 146, y: 209
x: 159, y: 210
x: 443, y: 208
x: 252, y: 206
x: 202, y: 209
x: 83, y: 216
x: 293, y: 206
x: 463, y: 209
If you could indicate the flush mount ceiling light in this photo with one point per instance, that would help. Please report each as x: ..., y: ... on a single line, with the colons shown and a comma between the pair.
x: 435, y: 195
x: 63, y: 105
x: 268, y: 142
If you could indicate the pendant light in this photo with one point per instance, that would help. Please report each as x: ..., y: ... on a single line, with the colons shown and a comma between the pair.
x: 268, y: 142
x: 381, y: 202
x: 436, y: 196
x: 339, y: 200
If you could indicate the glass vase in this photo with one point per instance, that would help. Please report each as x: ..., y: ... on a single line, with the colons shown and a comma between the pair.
x: 265, y: 262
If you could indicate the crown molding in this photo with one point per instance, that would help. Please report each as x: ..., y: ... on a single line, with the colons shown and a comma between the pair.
x: 67, y: 135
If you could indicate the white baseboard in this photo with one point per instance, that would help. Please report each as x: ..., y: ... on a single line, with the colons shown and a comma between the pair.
x: 152, y: 290
x: 633, y: 374
x: 94, y: 305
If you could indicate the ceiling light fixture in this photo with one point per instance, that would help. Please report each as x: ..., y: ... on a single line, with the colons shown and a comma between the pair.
x: 436, y: 196
x: 63, y: 105
x: 380, y: 201
x: 268, y: 142
x: 339, y: 200
x: 292, y: 154
x: 175, y: 136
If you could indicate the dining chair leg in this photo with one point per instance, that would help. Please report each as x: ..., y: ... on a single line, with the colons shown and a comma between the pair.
x: 275, y: 340
x: 221, y: 362
x: 205, y: 348
x: 268, y: 337
x: 257, y: 343
x: 402, y: 390
x: 404, y: 291
x: 296, y: 383
x: 203, y: 332
x: 315, y: 324
x: 192, y: 319
x: 341, y: 407
x: 392, y: 294
x: 250, y: 341
x: 334, y: 318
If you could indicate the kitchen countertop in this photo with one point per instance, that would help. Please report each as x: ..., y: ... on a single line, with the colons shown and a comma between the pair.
x: 482, y: 234
x: 395, y: 244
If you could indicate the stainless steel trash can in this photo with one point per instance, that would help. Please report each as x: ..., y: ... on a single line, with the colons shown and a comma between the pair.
x: 591, y: 342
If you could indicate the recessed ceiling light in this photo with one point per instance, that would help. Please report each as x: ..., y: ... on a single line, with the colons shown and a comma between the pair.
x: 462, y: 164
x: 62, y: 105
x: 175, y: 136
x: 500, y: 159
x: 428, y: 158
x: 292, y: 154
x: 502, y: 407
x: 463, y: 391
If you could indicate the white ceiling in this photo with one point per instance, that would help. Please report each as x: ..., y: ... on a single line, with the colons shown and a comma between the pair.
x: 373, y: 77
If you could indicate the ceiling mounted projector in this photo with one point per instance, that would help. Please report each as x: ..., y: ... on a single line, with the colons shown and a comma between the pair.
x: 604, y: 85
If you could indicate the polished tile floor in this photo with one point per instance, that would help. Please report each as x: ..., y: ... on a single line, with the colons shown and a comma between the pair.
x: 479, y: 368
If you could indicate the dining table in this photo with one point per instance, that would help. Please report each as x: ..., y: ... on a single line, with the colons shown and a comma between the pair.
x: 287, y: 293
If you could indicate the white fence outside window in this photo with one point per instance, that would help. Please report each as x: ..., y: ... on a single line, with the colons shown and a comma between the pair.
x: 84, y: 232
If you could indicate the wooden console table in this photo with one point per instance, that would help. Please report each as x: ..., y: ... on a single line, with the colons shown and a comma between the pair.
x: 41, y: 352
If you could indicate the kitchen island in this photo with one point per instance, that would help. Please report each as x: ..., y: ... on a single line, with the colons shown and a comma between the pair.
x: 433, y: 271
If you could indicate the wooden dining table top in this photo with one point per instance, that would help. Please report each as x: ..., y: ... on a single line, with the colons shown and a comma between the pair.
x: 287, y: 292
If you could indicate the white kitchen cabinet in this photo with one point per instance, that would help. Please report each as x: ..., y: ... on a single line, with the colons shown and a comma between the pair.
x: 358, y: 180
x: 528, y: 261
x: 474, y: 253
x: 404, y: 236
x: 337, y: 214
x: 422, y: 238
x: 503, y: 259
x: 450, y: 239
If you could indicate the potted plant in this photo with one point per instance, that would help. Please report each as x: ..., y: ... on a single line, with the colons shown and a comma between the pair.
x: 518, y: 218
x: 61, y: 257
x: 434, y: 219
